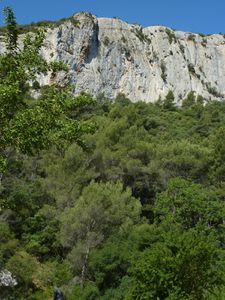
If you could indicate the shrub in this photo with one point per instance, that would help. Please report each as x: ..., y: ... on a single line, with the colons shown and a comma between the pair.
x: 163, y: 69
x: 123, y: 39
x: 213, y: 91
x: 34, y: 26
x: 106, y: 41
x: 189, y: 100
x: 204, y: 42
x: 182, y: 48
x: 171, y: 35
x: 192, y: 71
x: 140, y: 35
x: 169, y: 103
x: 191, y: 37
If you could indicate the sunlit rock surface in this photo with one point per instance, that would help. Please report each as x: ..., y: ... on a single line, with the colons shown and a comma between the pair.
x: 111, y: 56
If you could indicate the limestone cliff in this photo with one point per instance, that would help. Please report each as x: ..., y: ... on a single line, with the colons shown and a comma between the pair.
x: 111, y: 56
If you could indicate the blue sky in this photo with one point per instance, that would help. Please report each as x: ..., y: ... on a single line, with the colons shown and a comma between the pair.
x: 204, y: 16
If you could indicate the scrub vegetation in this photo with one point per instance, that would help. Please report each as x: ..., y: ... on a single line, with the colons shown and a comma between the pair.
x: 106, y: 199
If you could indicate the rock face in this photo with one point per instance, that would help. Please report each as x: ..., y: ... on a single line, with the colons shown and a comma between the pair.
x: 111, y: 56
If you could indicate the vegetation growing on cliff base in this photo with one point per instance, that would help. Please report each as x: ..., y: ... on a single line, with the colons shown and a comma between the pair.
x: 133, y: 209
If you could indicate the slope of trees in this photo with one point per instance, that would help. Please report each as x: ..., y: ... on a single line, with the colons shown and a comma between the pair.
x: 107, y: 199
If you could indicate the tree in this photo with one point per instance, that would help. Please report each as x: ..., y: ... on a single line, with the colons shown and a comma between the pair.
x: 189, y: 101
x: 8, y: 243
x: 185, y: 265
x: 189, y: 204
x: 169, y: 103
x: 29, y: 125
x: 219, y: 155
x: 100, y: 211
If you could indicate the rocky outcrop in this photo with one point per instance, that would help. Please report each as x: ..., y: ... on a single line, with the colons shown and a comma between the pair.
x: 111, y: 56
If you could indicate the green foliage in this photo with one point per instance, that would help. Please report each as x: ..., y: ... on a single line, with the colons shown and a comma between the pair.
x: 182, y: 48
x: 24, y: 124
x: 23, y: 261
x: 180, y: 267
x: 191, y: 70
x: 169, y: 102
x: 101, y: 209
x: 35, y: 26
x: 8, y: 243
x: 106, y: 41
x: 190, y: 100
x: 90, y: 292
x: 163, y: 70
x: 48, y: 122
x: 219, y: 150
x: 138, y: 31
x: 204, y: 42
x: 107, y: 199
x: 171, y: 35
x: 213, y: 91
x: 12, y: 33
x: 68, y: 214
x: 191, y: 37
x: 189, y: 205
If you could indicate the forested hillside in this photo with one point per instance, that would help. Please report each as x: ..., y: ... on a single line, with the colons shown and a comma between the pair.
x: 107, y: 199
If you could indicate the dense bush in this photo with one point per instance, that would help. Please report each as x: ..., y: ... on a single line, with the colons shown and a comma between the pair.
x: 107, y: 199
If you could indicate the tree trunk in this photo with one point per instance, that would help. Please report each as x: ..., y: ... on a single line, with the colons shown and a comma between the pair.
x: 84, y: 268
